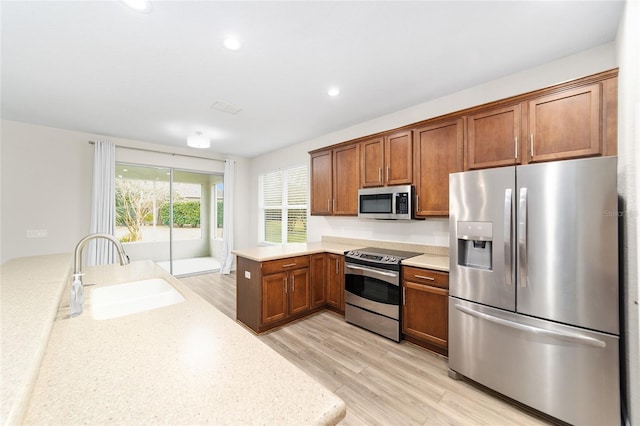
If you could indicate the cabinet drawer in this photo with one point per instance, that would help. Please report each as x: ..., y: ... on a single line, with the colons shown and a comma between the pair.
x: 425, y: 276
x: 282, y: 265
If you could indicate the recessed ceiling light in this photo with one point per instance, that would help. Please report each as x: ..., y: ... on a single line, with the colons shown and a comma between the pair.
x: 334, y: 91
x: 232, y: 43
x: 139, y: 5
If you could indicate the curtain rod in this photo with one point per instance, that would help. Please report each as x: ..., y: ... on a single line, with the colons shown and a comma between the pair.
x: 168, y: 153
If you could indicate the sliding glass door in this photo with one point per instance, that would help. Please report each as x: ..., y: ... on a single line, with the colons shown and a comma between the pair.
x: 172, y: 217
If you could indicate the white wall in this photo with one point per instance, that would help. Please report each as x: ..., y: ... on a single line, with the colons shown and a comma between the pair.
x: 628, y: 43
x: 430, y: 231
x: 46, y: 177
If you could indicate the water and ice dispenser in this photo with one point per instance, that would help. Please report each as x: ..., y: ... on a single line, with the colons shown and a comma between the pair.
x: 475, y: 241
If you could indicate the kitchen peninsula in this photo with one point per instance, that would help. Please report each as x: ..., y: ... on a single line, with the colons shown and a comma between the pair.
x: 280, y: 284
x: 182, y: 364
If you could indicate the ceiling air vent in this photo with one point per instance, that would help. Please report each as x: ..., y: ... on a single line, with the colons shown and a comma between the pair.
x: 225, y: 107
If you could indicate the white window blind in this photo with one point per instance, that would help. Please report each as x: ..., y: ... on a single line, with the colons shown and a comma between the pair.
x: 283, y: 205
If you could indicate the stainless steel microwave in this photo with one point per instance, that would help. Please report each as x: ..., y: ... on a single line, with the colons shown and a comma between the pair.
x: 388, y: 202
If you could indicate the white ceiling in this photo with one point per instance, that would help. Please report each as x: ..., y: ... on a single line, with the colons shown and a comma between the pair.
x: 100, y: 67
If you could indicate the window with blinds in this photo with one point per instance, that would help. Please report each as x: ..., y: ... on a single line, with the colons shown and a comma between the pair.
x: 283, y: 206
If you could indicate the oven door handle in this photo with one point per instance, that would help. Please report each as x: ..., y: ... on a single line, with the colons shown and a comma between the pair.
x: 372, y: 271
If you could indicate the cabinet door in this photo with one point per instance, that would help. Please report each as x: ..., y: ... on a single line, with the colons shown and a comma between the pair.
x: 371, y: 162
x: 493, y: 138
x: 438, y: 152
x: 274, y: 297
x: 299, y: 291
x: 425, y: 313
x: 566, y: 125
x: 321, y: 189
x: 398, y: 157
x: 318, y: 272
x: 346, y: 179
x: 335, y: 281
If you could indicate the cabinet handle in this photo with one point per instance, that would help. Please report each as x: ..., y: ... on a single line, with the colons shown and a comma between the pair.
x: 403, y: 298
x: 417, y: 203
x: 288, y: 265
x: 334, y: 205
x: 380, y: 174
x: 293, y: 284
x: 531, y: 144
x: 425, y: 278
x: 336, y: 266
x: 328, y: 205
x: 387, y: 174
x: 285, y: 284
x: 516, y: 147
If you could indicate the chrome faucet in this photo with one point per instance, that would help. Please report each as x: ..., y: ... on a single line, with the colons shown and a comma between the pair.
x: 77, y: 288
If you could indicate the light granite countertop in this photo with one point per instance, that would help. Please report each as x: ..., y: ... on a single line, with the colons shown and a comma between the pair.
x: 429, y: 261
x: 31, y: 288
x: 261, y: 254
x: 435, y: 260
x: 182, y: 364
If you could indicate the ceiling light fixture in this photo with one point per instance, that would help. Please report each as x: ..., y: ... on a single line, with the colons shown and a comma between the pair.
x: 139, y: 5
x: 232, y: 43
x: 333, y: 92
x: 198, y: 141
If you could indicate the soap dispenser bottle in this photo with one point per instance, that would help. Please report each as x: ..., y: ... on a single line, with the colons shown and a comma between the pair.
x: 77, y: 296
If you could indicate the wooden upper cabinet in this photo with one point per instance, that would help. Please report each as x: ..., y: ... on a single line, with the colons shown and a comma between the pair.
x: 321, y: 182
x: 398, y: 155
x: 372, y: 162
x: 493, y: 138
x: 387, y: 160
x: 565, y: 125
x: 346, y: 179
x: 438, y: 151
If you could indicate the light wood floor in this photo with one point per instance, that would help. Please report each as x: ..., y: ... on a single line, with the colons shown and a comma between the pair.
x: 382, y: 382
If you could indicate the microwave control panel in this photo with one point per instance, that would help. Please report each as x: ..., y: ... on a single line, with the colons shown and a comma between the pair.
x: 402, y: 203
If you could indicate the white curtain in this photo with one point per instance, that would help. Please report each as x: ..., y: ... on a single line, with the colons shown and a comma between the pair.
x: 103, y: 204
x: 227, y: 227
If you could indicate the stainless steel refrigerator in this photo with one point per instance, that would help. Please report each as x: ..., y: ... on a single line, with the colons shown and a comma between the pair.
x: 533, y: 306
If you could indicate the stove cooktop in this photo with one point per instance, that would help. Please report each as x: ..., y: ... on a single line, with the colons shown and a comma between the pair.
x: 380, y: 255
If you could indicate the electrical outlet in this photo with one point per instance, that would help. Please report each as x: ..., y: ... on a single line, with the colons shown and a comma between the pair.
x: 247, y: 275
x: 37, y: 233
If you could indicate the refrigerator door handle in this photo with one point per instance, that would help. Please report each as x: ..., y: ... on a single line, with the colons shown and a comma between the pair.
x: 568, y: 337
x: 522, y: 236
x: 507, y: 237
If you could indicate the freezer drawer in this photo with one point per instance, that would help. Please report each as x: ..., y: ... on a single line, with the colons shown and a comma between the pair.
x: 567, y: 372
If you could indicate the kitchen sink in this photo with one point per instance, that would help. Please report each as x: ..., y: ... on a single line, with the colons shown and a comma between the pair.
x: 132, y: 297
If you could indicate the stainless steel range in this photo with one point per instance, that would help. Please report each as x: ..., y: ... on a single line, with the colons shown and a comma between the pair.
x: 372, y: 289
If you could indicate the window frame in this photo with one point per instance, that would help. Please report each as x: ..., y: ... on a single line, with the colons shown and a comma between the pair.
x: 284, y: 207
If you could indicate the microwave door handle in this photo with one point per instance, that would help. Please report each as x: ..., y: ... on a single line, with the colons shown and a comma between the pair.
x: 394, y: 202
x: 507, y: 237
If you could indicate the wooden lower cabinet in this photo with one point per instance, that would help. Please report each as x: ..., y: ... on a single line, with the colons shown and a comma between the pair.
x: 285, y: 294
x: 273, y: 293
x: 318, y: 271
x: 335, y: 282
x: 425, y: 319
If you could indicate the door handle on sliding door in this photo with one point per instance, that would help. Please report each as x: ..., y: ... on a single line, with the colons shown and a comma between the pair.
x: 522, y: 236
